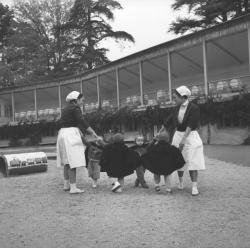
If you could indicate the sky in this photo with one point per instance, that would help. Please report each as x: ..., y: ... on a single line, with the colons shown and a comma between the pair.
x: 146, y: 20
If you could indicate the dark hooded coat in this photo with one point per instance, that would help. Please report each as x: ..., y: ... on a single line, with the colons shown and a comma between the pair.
x: 163, y: 158
x: 118, y: 160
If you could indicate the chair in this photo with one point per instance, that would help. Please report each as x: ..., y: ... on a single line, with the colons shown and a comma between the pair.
x: 236, y: 84
x: 23, y: 116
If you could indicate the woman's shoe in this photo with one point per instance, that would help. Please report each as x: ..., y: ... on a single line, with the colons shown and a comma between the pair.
x: 195, y: 191
x: 76, y: 191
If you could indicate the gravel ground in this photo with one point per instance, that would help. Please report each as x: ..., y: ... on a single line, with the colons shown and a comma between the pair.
x: 35, y: 212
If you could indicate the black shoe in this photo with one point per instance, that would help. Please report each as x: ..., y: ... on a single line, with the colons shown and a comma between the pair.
x: 157, y: 188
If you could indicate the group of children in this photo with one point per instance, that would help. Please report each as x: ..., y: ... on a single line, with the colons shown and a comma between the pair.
x: 118, y: 160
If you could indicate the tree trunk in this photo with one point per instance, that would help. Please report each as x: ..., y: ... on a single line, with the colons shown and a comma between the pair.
x: 89, y: 40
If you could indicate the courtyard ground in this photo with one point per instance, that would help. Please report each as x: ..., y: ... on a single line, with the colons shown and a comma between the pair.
x: 35, y: 212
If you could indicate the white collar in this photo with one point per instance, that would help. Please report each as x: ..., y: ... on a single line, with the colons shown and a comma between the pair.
x: 185, y: 103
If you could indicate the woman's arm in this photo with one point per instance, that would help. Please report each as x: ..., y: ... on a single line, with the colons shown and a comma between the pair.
x: 183, y: 141
x: 192, y: 124
x: 83, y: 125
x: 92, y: 132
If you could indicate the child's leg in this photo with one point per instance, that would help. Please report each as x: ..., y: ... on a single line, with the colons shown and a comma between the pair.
x: 137, y: 182
x: 66, y: 185
x: 94, y: 184
x: 118, y: 185
x: 96, y: 173
x: 140, y: 175
x: 167, y: 179
x: 180, y: 175
x: 157, y: 179
x: 121, y: 181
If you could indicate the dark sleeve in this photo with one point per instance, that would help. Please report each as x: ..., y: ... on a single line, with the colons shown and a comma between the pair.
x: 170, y: 121
x: 194, y: 117
x: 82, y: 124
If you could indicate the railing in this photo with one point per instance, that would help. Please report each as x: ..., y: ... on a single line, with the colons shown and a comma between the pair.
x: 219, y: 90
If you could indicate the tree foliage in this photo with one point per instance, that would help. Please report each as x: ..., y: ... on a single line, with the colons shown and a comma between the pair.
x: 47, y: 19
x: 6, y: 17
x: 207, y: 13
x: 51, y: 38
x: 90, y: 24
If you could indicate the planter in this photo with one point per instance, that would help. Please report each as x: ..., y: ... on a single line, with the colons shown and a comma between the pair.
x: 23, y: 163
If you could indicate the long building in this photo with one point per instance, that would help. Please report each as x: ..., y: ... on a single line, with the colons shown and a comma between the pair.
x: 213, y: 60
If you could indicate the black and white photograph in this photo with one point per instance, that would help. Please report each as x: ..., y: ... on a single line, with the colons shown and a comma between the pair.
x: 124, y: 123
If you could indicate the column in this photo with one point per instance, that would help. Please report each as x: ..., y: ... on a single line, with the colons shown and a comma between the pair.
x: 98, y: 90
x: 13, y: 106
x: 141, y: 81
x: 60, y: 99
x: 117, y: 88
x: 35, y: 99
x: 169, y: 77
x: 204, y: 51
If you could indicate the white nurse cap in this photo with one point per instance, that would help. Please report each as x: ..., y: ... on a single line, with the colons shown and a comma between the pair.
x: 73, y: 95
x: 183, y: 91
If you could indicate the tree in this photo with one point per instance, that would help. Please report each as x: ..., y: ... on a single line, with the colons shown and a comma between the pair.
x: 25, y: 54
x: 207, y: 13
x: 47, y: 18
x: 6, y: 18
x: 89, y: 23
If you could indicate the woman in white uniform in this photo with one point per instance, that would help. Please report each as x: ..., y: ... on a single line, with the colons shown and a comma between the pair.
x: 186, y: 120
x: 70, y: 147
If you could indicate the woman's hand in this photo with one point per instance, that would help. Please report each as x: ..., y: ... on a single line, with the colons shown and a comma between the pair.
x: 182, y: 143
x: 181, y: 146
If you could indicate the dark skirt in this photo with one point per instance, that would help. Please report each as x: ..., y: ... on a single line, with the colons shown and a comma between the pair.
x: 163, y: 159
x: 118, y: 160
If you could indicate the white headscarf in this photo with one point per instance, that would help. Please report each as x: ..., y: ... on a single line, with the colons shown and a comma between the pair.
x: 183, y: 91
x: 73, y: 95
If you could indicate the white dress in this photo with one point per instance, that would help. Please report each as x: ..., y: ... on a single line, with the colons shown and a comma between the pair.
x: 193, y: 148
x: 192, y: 151
x: 69, y: 148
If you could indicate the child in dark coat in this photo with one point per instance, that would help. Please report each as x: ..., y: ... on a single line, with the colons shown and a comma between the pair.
x: 162, y: 158
x: 140, y: 147
x: 118, y: 161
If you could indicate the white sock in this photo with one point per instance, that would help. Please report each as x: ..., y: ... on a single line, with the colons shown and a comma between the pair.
x: 194, y: 184
x: 72, y: 186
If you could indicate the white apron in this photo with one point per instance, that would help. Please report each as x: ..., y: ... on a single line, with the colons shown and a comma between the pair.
x: 192, y: 151
x: 69, y: 148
